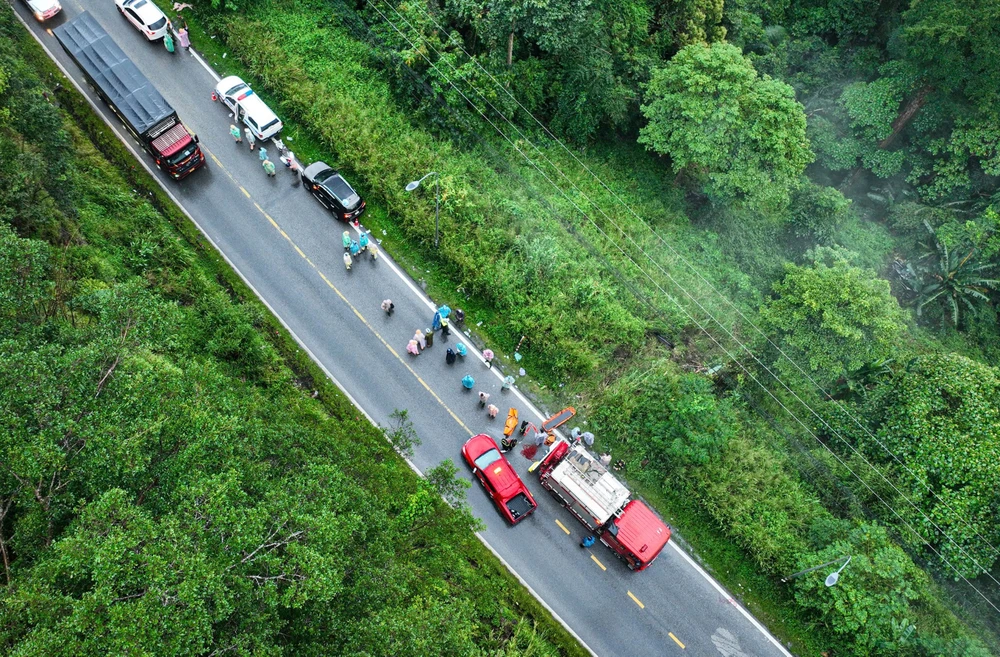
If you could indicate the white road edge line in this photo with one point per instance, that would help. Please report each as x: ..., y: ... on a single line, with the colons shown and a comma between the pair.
x: 718, y: 587
x: 347, y: 394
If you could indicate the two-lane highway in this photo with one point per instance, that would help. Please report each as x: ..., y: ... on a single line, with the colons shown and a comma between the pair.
x: 287, y: 248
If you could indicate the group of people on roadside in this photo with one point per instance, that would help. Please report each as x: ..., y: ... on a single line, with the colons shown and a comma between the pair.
x: 286, y: 157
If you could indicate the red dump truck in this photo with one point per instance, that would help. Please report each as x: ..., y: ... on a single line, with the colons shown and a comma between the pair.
x: 585, y: 487
x: 146, y: 114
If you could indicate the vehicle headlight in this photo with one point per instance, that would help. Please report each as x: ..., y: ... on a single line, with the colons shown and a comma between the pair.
x: 39, y: 16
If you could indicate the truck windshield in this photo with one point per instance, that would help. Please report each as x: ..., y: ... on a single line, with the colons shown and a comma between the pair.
x: 182, y: 154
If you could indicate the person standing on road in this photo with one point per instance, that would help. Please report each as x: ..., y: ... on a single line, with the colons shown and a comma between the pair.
x: 268, y: 167
x: 262, y: 154
x: 388, y: 306
x: 235, y: 132
x: 347, y: 261
x: 420, y: 338
x: 483, y: 398
x: 488, y: 357
x: 492, y: 411
x: 346, y: 240
x: 182, y: 37
x: 251, y: 138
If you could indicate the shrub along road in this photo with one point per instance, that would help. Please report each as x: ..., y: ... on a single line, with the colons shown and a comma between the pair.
x: 287, y: 247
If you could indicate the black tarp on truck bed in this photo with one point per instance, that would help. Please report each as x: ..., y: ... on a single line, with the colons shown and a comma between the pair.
x: 128, y: 90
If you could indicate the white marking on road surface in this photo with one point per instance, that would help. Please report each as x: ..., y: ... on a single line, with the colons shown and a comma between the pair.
x: 636, y: 600
x: 562, y: 526
x: 597, y: 561
x: 676, y: 640
x: 727, y: 644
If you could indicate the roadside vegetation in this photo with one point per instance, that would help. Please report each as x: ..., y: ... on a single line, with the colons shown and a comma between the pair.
x: 175, y: 476
x: 765, y: 266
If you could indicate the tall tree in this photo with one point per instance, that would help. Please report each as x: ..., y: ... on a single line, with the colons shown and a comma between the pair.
x: 740, y: 135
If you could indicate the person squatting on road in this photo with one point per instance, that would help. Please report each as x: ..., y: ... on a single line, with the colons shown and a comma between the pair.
x: 507, y: 443
x: 388, y: 306
x: 588, y: 541
x: 347, y: 261
x: 468, y: 382
x: 250, y: 138
x: 449, y: 356
x: 235, y: 132
x: 412, y: 348
x: 507, y: 383
x: 492, y: 411
x: 483, y: 398
x: 268, y: 167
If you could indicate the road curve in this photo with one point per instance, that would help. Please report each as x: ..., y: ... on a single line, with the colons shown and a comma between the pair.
x: 287, y: 248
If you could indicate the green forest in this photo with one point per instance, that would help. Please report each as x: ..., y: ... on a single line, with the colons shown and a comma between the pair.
x: 754, y: 242
x: 175, y: 477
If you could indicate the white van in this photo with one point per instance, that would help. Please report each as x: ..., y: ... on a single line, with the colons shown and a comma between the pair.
x: 248, y: 107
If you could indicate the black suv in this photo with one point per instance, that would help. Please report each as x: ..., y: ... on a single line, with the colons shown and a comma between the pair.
x: 333, y: 191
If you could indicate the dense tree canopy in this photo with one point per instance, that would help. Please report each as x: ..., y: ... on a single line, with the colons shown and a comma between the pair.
x: 832, y: 317
x: 739, y: 134
x: 940, y: 418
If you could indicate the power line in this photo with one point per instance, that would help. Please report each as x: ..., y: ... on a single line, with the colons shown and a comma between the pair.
x: 837, y: 404
x: 691, y: 317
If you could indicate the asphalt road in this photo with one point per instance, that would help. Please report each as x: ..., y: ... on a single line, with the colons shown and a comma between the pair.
x: 287, y: 247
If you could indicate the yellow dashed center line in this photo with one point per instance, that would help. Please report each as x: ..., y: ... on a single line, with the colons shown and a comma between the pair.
x: 676, y: 640
x: 349, y: 304
x: 603, y: 567
x: 562, y: 526
x: 641, y: 606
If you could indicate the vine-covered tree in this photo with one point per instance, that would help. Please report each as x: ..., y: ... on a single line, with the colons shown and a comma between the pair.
x: 941, y: 420
x: 831, y: 317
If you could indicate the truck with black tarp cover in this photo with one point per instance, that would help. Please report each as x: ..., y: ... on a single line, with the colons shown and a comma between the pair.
x: 145, y: 113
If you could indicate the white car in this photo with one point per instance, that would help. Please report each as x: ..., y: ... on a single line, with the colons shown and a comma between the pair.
x: 248, y: 107
x: 145, y: 16
x: 44, y: 9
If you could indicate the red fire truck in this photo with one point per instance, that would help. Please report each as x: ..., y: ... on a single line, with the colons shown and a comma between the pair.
x: 585, y: 487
